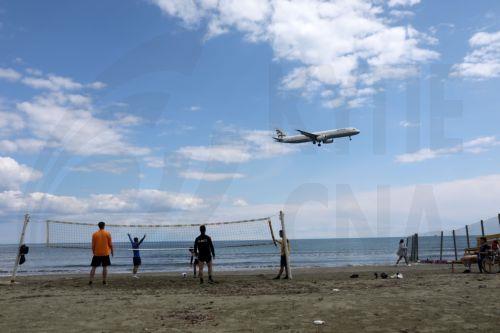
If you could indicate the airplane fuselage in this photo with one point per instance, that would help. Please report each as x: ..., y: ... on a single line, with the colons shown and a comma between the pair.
x: 320, y: 137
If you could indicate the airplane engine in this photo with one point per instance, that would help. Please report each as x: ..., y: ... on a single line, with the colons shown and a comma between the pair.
x: 328, y: 140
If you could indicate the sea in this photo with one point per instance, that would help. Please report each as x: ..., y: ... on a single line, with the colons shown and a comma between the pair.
x: 305, y: 253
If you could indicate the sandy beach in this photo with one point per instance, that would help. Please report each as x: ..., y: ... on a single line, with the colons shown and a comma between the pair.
x: 428, y: 299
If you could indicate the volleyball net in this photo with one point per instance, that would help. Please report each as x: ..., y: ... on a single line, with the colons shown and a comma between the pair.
x: 165, y: 237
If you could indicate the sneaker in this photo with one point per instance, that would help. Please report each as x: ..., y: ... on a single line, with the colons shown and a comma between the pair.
x: 466, y: 271
x: 90, y: 283
x: 104, y: 282
x: 135, y: 276
x: 277, y: 278
x: 211, y: 281
x: 286, y: 278
x: 409, y: 265
x: 201, y: 281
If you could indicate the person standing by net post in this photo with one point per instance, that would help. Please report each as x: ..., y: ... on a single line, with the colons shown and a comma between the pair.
x: 102, y: 247
x: 283, y: 255
x: 136, y: 243
x: 204, y: 248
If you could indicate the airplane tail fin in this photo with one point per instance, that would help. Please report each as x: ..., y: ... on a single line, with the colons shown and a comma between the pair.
x: 280, y: 134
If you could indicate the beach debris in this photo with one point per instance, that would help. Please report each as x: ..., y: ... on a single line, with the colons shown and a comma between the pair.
x: 354, y: 276
x: 376, y: 275
x: 319, y: 322
x: 383, y: 275
x: 397, y: 276
x: 335, y: 289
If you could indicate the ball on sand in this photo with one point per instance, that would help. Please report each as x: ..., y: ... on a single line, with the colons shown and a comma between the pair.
x: 184, y: 275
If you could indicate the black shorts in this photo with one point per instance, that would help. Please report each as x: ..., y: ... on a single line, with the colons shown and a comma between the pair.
x: 206, y: 259
x: 196, y: 262
x: 283, y: 261
x: 100, y: 261
x: 137, y: 261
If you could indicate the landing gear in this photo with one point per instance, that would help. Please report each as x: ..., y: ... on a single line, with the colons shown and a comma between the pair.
x: 350, y: 138
x: 314, y: 142
x: 319, y: 144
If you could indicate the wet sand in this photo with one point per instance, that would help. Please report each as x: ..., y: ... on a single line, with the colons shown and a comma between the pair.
x: 429, y: 298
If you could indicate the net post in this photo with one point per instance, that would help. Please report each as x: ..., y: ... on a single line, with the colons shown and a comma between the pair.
x: 499, y: 219
x: 285, y: 242
x: 272, y: 232
x: 441, y: 248
x: 482, y: 228
x: 47, y: 235
x: 455, y: 245
x: 21, y: 241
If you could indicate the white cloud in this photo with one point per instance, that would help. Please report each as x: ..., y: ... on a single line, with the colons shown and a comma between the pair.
x: 475, y: 146
x: 240, y: 202
x: 9, y: 74
x: 247, y: 146
x: 13, y: 174
x: 342, y: 46
x: 10, y: 122
x: 394, y: 3
x: 210, y: 176
x: 52, y: 82
x: 66, y: 121
x: 407, y: 124
x: 117, y: 167
x: 127, y: 201
x: 154, y: 162
x: 22, y: 145
x: 195, y: 108
x: 483, y: 60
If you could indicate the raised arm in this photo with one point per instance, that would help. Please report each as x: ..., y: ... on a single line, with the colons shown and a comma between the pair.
x: 130, y: 239
x: 142, y: 239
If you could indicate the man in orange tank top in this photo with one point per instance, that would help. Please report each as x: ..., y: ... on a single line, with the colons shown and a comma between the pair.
x: 102, y: 247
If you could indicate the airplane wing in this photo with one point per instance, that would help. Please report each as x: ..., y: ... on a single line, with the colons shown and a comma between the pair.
x: 312, y: 136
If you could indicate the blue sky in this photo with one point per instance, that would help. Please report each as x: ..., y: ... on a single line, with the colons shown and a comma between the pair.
x: 164, y: 111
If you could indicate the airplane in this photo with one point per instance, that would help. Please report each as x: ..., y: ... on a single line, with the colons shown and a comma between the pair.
x: 316, y: 137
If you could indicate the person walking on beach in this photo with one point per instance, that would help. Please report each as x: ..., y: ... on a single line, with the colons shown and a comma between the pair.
x: 402, y: 252
x: 205, y: 251
x: 483, y: 252
x: 102, y: 247
x: 136, y: 243
x: 194, y: 262
x: 283, y: 256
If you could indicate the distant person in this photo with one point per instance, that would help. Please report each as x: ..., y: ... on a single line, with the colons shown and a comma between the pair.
x: 205, y: 251
x: 102, y: 247
x: 402, y: 252
x: 194, y: 262
x: 283, y: 265
x: 136, y: 243
x: 483, y: 252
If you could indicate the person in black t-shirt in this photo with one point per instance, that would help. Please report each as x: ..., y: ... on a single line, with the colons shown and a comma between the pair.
x: 204, y: 248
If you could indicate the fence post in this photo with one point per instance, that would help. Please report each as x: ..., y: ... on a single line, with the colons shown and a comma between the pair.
x: 285, y: 242
x: 467, y: 233
x: 21, y: 242
x: 455, y: 245
x: 482, y: 228
x: 416, y: 250
x: 499, y: 218
x: 441, y: 248
x: 412, y: 247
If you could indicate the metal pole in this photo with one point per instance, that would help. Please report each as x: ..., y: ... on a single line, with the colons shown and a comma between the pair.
x: 482, y: 228
x: 441, y: 248
x: 285, y: 242
x: 455, y: 245
x: 499, y: 218
x: 467, y: 233
x: 21, y: 242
